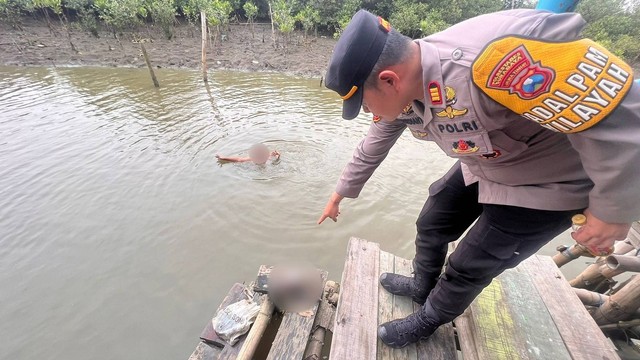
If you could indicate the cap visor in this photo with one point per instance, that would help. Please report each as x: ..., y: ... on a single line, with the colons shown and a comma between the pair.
x: 351, y: 107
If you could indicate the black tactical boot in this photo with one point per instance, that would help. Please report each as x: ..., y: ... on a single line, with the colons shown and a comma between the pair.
x: 402, y: 332
x: 417, y: 286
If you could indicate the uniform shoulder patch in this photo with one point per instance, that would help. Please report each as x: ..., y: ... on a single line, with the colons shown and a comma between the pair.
x: 564, y: 86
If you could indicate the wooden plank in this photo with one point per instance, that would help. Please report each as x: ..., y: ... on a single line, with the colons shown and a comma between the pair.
x: 634, y: 234
x: 205, y: 352
x: 357, y: 311
x: 493, y: 325
x: 403, y: 307
x: 535, y: 330
x: 509, y: 320
x: 235, y: 294
x: 385, y: 303
x: 293, y: 333
x: 464, y: 331
x: 440, y: 346
x: 581, y: 335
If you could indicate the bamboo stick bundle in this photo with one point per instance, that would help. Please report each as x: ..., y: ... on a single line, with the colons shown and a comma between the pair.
x: 567, y: 254
x: 621, y: 305
x: 598, y: 272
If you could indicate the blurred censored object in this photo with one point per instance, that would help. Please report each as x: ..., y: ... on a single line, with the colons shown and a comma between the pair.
x: 294, y: 287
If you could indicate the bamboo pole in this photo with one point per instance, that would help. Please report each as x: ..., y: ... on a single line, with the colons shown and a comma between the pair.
x: 203, y: 21
x: 621, y: 305
x: 146, y: 59
x: 621, y: 325
x: 255, y: 334
x: 568, y: 254
x: 273, y: 31
x: 598, y: 272
x: 623, y: 262
x: 590, y: 298
x: 316, y: 341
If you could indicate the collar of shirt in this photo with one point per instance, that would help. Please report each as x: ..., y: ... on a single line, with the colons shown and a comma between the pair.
x: 434, y: 95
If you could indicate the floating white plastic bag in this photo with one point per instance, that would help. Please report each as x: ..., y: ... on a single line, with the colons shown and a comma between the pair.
x: 234, y: 320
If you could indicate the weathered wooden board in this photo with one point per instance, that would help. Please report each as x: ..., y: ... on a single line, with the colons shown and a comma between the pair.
x: 634, y: 234
x: 205, y: 352
x: 293, y: 333
x: 511, y: 321
x: 581, y: 336
x: 385, y: 303
x: 440, y: 346
x: 403, y: 307
x: 530, y: 312
x: 235, y: 294
x: 357, y: 312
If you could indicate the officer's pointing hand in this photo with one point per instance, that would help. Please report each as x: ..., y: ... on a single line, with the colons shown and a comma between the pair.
x: 332, y: 209
x: 599, y: 235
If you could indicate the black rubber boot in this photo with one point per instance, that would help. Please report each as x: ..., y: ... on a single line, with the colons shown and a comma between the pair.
x: 415, y: 286
x: 402, y: 332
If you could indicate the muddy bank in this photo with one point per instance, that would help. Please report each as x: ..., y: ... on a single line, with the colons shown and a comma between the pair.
x: 241, y: 49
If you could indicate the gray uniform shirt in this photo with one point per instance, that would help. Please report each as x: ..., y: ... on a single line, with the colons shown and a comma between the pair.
x: 515, y: 161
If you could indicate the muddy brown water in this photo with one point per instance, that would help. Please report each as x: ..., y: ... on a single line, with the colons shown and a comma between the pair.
x: 119, y: 231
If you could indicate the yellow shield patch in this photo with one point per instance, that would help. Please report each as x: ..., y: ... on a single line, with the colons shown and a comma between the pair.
x: 566, y: 87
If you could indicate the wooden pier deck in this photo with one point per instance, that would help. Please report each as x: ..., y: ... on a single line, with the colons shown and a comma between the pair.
x: 529, y: 312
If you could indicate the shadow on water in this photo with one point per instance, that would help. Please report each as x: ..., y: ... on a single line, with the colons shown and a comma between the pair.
x: 120, y: 231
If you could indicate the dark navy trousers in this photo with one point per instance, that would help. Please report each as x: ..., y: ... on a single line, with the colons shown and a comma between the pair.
x: 500, y: 239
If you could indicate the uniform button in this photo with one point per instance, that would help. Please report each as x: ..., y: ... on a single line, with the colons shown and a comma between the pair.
x: 457, y: 54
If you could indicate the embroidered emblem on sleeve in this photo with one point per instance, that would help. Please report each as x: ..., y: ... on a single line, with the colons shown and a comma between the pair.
x: 565, y: 87
x: 419, y: 134
x: 464, y: 147
x: 451, y: 99
x: 434, y: 93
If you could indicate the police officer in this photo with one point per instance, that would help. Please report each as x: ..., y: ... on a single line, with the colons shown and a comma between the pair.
x: 544, y: 126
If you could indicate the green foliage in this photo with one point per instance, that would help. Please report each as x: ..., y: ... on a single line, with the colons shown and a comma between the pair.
x: 163, y: 13
x: 10, y: 12
x: 408, y: 16
x: 308, y: 18
x: 250, y: 11
x: 121, y: 14
x: 615, y: 24
x: 349, y: 7
x: 218, y: 12
x: 192, y: 8
x: 86, y: 14
x: 282, y: 16
x: 44, y: 5
x: 454, y: 11
x: 433, y: 24
x: 328, y: 12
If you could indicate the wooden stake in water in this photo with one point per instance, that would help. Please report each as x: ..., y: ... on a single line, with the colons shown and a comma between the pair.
x: 146, y: 59
x: 203, y: 21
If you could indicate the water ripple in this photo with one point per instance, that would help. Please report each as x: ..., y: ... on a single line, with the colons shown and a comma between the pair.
x: 112, y: 203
